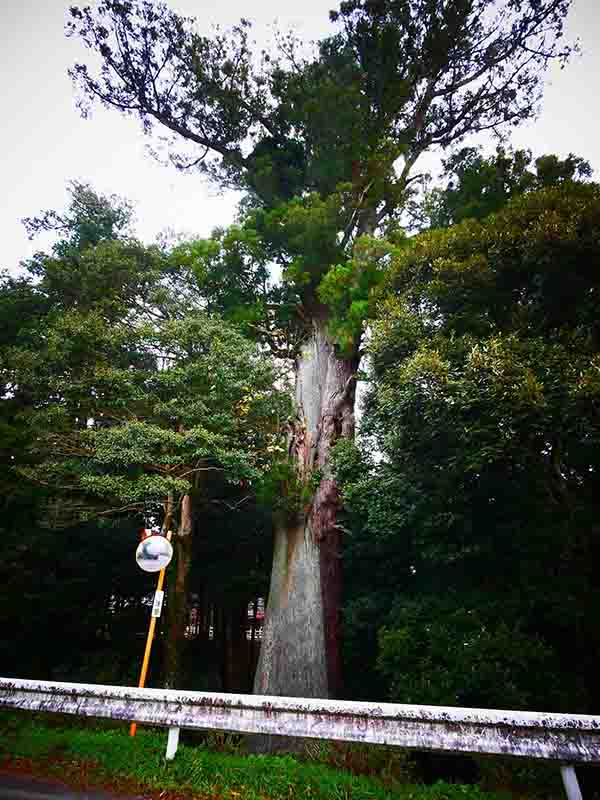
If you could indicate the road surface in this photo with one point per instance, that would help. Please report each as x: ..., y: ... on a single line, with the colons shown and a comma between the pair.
x: 24, y: 787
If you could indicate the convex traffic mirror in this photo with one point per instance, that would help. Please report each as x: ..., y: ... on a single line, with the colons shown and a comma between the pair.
x: 154, y: 553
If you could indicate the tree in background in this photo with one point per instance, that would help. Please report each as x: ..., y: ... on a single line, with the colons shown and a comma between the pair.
x: 480, y: 516
x: 197, y: 399
x: 79, y: 583
x: 124, y: 396
x: 71, y: 280
x: 325, y: 146
x: 91, y: 218
x: 75, y: 603
x: 477, y: 186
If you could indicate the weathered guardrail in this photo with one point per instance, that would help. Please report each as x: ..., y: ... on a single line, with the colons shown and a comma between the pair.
x: 566, y: 738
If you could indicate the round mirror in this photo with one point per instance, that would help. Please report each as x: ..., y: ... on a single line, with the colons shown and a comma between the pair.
x: 153, y: 553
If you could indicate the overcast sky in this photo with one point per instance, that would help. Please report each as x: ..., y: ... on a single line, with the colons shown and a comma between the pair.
x: 44, y: 142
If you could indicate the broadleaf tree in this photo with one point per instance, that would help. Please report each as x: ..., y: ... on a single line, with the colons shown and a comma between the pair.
x: 477, y: 186
x: 123, y: 395
x: 479, y: 515
x: 210, y: 409
x: 325, y: 146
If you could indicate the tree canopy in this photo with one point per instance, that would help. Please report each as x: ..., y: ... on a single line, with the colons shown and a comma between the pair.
x: 123, y: 397
x: 477, y: 186
x: 323, y: 142
x: 480, y: 511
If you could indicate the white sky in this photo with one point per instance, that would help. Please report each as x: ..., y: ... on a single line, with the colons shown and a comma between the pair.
x: 44, y: 142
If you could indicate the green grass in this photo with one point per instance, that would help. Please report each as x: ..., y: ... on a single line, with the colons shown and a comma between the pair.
x: 108, y: 755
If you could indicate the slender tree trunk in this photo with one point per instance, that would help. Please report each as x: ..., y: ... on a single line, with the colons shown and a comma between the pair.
x: 177, y: 608
x: 236, y: 650
x: 300, y: 654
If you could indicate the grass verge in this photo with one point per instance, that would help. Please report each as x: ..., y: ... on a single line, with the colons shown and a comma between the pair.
x: 109, y: 757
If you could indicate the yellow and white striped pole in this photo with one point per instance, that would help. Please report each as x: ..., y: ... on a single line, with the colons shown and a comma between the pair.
x: 155, y: 614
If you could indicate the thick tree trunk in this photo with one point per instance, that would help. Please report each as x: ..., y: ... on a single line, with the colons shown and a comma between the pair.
x: 177, y: 608
x: 300, y: 649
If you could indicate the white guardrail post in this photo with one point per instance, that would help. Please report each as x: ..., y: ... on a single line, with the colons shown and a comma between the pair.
x: 568, y: 739
x: 570, y: 782
x: 173, y: 743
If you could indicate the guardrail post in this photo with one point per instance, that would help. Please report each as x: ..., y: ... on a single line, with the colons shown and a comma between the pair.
x: 173, y: 742
x: 570, y: 782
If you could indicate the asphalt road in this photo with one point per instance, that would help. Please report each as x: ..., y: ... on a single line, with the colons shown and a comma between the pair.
x: 23, y: 787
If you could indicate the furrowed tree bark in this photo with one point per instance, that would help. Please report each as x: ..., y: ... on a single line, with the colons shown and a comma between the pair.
x: 300, y: 652
x: 177, y: 608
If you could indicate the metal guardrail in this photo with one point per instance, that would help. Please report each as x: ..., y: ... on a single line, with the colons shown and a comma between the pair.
x: 566, y: 738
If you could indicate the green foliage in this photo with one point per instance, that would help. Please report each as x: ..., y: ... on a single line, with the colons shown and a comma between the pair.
x: 230, y: 274
x: 278, y: 170
x: 114, y: 277
x: 90, y: 219
x: 283, y: 490
x: 230, y: 270
x: 302, y: 235
x: 309, y: 122
x: 322, y: 143
x: 146, y: 431
x: 469, y: 274
x: 441, y: 653
x: 131, y: 392
x: 121, y: 392
x: 478, y: 517
x: 477, y: 186
x: 346, y: 290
